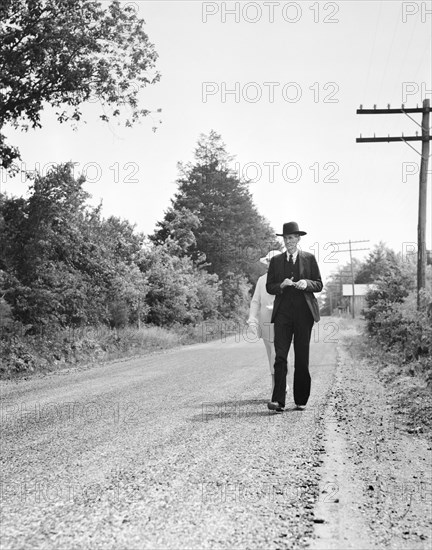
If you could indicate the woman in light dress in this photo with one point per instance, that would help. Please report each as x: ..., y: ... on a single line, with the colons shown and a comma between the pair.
x: 260, y: 313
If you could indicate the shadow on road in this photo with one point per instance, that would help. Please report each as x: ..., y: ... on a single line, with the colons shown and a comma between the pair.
x: 236, y: 410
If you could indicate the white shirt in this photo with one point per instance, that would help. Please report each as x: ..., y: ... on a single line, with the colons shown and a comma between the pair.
x: 294, y: 256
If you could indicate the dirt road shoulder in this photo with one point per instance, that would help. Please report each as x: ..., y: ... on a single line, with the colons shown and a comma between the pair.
x: 375, y: 488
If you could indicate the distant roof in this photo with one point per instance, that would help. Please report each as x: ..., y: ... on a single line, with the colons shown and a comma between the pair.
x: 359, y: 290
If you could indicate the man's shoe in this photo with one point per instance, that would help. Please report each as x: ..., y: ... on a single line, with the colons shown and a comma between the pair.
x: 300, y: 407
x: 275, y: 406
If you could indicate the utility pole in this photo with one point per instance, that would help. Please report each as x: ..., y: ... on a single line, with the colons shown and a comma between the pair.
x: 350, y: 250
x: 421, y: 229
x: 335, y: 287
x: 425, y: 138
x: 346, y: 276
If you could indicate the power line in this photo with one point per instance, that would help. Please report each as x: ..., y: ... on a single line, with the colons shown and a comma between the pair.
x: 372, y: 49
x: 398, y: 18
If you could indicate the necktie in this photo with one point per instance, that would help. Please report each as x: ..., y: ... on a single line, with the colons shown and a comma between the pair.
x: 290, y: 266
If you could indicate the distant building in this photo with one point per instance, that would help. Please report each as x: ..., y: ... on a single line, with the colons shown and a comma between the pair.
x: 359, y: 295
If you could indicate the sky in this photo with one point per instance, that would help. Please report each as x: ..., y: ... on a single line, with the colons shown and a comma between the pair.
x: 281, y: 82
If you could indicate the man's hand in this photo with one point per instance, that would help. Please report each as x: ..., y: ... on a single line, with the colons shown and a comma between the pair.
x: 287, y: 282
x: 301, y: 285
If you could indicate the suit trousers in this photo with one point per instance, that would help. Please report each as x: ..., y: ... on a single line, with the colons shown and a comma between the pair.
x: 296, y: 322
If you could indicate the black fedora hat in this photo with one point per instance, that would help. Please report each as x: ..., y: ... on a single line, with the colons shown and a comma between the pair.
x: 290, y: 228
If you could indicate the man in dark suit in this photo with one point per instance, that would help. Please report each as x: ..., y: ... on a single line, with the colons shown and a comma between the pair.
x: 293, y: 277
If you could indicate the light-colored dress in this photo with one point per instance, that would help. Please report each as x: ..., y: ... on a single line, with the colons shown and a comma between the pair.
x: 260, y: 313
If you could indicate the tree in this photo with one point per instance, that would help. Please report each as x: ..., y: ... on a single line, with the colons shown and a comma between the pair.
x: 333, y: 289
x: 231, y: 232
x: 179, y: 230
x: 42, y: 246
x: 179, y: 291
x: 235, y: 297
x: 393, y: 286
x: 63, y: 53
x: 63, y: 265
x: 376, y: 264
x: 129, y: 290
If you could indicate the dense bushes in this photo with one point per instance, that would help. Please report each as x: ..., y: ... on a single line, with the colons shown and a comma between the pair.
x: 393, y: 319
x: 63, y: 266
x: 64, y: 269
x: 179, y: 291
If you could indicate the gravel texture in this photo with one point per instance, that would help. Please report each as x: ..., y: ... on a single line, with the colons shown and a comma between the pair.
x: 376, y: 480
x: 178, y: 450
x: 172, y: 450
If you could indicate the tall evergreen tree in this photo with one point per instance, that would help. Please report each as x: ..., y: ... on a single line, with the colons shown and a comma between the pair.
x: 231, y: 233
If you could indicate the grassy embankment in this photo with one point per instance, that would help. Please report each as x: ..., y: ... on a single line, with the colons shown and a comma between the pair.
x: 23, y: 355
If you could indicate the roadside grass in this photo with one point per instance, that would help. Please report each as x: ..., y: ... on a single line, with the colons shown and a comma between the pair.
x: 24, y: 355
x: 409, y: 384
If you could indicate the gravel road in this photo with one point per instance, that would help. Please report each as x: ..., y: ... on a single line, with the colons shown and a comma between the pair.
x: 178, y: 450
x: 172, y: 450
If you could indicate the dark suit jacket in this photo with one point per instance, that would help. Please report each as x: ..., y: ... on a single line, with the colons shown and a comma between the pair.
x: 309, y: 271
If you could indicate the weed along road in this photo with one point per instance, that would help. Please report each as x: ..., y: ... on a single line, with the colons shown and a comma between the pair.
x: 171, y: 450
